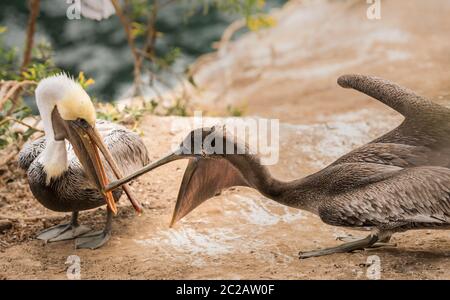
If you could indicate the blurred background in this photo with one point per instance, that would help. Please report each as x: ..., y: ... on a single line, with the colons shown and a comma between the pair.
x: 130, y: 55
x: 184, y: 30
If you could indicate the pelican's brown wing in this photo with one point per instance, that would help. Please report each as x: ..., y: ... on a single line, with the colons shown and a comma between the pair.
x: 426, y: 123
x: 405, y: 198
x: 203, y: 179
x: 403, y: 100
x: 400, y: 155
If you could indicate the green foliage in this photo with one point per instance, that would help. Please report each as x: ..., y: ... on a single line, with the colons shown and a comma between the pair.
x: 132, y: 115
x: 142, y: 14
x: 246, y: 8
x: 237, y: 111
x: 137, y: 29
x: 41, y: 64
x: 13, y: 110
x: 8, y: 59
x: 257, y: 22
x: 143, y: 19
x: 151, y: 106
x: 108, y: 112
x: 168, y: 59
x: 251, y: 10
x: 136, y: 113
x: 9, y: 137
x: 83, y: 81
x: 178, y: 108
x: 138, y: 9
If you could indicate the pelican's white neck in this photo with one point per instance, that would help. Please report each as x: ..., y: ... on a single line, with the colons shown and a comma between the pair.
x: 54, y: 156
x: 54, y: 159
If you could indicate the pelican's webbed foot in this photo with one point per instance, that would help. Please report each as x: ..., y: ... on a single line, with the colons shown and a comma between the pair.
x: 63, y: 232
x: 347, y: 247
x: 95, y: 239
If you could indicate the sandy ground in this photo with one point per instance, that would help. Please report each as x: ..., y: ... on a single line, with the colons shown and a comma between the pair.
x: 240, y: 234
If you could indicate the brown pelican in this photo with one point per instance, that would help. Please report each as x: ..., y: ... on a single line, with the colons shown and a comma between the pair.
x: 70, y: 177
x: 399, y: 181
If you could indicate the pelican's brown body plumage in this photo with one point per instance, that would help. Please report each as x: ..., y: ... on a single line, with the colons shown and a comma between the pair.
x: 73, y: 191
x: 65, y: 169
x: 397, y: 182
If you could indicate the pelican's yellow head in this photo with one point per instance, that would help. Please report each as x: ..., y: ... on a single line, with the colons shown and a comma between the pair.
x: 76, y: 104
x: 68, y: 96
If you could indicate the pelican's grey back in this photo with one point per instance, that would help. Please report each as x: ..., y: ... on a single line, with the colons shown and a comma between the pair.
x: 126, y: 147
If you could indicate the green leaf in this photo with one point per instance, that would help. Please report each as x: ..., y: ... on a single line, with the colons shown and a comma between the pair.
x: 3, y: 143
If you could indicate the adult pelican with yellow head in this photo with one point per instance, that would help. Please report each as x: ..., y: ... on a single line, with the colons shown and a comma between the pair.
x: 66, y: 172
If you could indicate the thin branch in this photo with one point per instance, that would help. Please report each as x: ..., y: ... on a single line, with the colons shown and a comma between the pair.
x: 183, y: 83
x: 4, y: 88
x: 149, y: 46
x: 18, y: 145
x: 13, y: 91
x: 130, y: 39
x: 22, y: 123
x: 31, y: 29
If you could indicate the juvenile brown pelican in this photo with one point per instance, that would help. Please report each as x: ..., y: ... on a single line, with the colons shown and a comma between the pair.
x: 68, y: 177
x: 399, y: 181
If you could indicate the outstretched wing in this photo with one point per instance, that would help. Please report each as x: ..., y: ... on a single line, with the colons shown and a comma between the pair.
x: 422, y: 139
x: 403, y: 100
x: 426, y: 123
x: 203, y: 179
x: 410, y: 198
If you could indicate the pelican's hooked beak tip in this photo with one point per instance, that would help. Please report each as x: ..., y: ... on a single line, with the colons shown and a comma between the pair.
x: 113, y: 208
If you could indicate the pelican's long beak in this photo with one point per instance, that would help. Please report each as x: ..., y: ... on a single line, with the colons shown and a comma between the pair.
x: 162, y: 161
x: 79, y: 133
